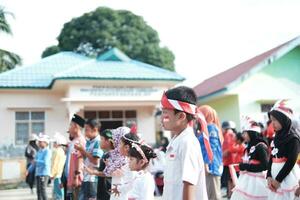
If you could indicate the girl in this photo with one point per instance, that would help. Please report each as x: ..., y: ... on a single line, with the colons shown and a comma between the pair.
x: 252, y: 183
x: 283, y: 173
x: 143, y: 186
x: 57, y: 165
x: 214, y: 167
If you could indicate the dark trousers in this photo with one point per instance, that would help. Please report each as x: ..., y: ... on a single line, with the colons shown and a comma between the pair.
x: 41, y: 186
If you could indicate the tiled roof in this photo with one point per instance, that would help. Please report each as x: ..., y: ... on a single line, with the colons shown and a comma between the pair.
x: 220, y: 81
x: 112, y: 65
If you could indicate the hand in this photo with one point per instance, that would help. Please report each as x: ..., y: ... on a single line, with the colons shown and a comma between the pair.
x: 270, y: 186
x: 115, y: 190
x: 26, y: 173
x: 76, y: 182
x: 106, y: 162
x: 275, y: 184
x: 79, y: 147
x: 297, y: 192
x: 206, y: 168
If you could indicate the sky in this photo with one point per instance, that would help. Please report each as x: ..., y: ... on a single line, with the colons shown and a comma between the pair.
x: 206, y: 36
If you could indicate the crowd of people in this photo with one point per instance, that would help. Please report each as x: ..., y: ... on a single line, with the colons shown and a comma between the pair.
x: 202, y: 156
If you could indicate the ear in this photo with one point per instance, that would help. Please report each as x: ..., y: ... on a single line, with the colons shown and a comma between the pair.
x: 143, y: 162
x: 181, y: 116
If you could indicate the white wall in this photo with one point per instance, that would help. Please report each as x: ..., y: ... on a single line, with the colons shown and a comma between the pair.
x: 24, y: 100
x: 146, y: 123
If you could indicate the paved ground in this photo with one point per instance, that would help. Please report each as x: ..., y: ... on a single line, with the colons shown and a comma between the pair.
x: 24, y: 194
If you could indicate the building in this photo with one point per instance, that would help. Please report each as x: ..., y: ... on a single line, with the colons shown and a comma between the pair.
x: 112, y: 88
x: 252, y: 87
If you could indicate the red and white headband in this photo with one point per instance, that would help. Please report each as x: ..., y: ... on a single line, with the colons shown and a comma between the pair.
x: 139, y: 149
x: 178, y: 105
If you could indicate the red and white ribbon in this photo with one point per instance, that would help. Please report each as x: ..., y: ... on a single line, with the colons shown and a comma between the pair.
x: 178, y: 105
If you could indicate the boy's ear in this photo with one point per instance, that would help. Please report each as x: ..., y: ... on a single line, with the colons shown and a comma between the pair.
x: 181, y: 115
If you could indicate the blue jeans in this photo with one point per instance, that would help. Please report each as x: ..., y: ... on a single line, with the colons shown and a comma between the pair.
x: 58, y: 192
x: 88, y: 191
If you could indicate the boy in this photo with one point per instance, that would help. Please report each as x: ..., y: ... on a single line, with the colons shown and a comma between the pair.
x: 91, y: 153
x: 184, y: 176
x: 43, y: 165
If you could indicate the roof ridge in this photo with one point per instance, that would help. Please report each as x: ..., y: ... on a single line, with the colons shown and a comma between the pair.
x: 83, y: 63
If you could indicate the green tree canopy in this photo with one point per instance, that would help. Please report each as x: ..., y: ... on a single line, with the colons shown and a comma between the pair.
x: 97, y: 31
x: 8, y: 60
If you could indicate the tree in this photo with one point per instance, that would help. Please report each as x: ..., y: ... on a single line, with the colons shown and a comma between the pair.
x: 8, y: 60
x: 96, y: 32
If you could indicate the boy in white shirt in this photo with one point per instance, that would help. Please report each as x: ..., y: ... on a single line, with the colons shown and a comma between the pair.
x: 184, y: 175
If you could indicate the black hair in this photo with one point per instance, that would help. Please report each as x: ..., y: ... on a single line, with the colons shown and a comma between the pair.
x: 148, y: 151
x: 129, y: 138
x: 239, y: 136
x: 184, y: 94
x: 93, y: 123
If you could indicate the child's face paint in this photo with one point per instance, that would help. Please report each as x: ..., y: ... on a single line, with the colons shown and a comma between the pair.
x: 276, y: 124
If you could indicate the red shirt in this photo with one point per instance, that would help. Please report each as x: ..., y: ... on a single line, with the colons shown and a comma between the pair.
x: 229, y: 141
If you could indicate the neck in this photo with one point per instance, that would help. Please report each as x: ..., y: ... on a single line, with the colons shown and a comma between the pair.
x: 178, y: 130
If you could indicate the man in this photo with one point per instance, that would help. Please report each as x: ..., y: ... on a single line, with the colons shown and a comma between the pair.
x: 74, y: 164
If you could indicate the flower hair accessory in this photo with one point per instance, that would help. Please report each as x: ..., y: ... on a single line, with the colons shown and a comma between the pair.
x: 139, y: 149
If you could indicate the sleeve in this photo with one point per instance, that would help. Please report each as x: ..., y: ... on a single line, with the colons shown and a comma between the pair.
x: 262, y: 156
x: 203, y: 149
x: 269, y: 174
x: 293, y: 150
x: 97, y: 151
x: 190, y: 158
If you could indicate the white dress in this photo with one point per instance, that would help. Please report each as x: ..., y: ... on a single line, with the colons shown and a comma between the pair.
x: 143, y: 187
x: 250, y: 185
x: 288, y: 186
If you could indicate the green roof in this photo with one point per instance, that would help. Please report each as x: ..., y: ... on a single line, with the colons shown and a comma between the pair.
x: 112, y: 65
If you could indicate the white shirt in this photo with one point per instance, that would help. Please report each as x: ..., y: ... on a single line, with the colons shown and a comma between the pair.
x: 184, y: 162
x: 143, y: 187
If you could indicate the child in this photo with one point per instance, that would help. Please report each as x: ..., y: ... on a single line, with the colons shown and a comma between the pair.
x: 139, y: 158
x: 104, y: 183
x: 252, y: 183
x: 215, y: 166
x: 91, y: 156
x: 184, y: 175
x: 283, y: 173
x: 57, y: 165
x: 228, y: 128
x: 237, y: 151
x: 43, y: 165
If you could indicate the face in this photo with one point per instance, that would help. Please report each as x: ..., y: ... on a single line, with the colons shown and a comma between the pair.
x: 169, y: 120
x: 246, y: 136
x: 135, y: 164
x: 73, y: 128
x: 124, y: 149
x: 42, y: 144
x: 90, y: 132
x: 276, y: 125
x: 105, y: 144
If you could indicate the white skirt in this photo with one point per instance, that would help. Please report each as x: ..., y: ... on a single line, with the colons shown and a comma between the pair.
x: 288, y: 186
x: 250, y: 186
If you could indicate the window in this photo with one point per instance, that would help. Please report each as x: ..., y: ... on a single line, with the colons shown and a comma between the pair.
x: 266, y: 107
x: 28, y: 123
x: 112, y: 118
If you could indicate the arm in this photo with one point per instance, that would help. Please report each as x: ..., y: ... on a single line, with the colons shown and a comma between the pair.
x: 188, y: 191
x: 54, y: 167
x: 293, y: 150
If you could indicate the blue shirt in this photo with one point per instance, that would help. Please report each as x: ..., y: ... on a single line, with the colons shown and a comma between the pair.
x: 215, y: 167
x: 43, y: 162
x: 92, y: 147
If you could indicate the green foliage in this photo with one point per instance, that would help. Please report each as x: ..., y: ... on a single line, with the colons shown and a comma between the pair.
x: 50, y: 51
x: 98, y: 31
x: 8, y: 60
